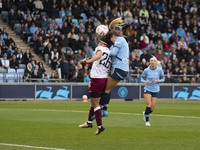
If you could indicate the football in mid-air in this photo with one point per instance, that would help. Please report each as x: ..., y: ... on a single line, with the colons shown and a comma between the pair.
x: 101, y: 30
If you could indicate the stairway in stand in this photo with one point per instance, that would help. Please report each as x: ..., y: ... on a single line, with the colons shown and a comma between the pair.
x: 24, y: 46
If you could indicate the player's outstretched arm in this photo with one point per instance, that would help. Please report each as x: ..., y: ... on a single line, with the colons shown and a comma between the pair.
x: 96, y: 57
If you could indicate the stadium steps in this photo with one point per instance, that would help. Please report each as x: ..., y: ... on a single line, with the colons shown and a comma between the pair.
x: 24, y: 46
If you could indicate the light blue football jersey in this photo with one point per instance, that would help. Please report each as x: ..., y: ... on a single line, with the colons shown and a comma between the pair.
x: 149, y: 75
x: 120, y: 53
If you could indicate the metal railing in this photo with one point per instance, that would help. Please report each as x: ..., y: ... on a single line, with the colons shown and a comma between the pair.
x: 136, y: 78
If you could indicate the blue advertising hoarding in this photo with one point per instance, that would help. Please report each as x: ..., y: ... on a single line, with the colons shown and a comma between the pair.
x: 125, y: 92
x: 16, y: 91
x: 187, y: 92
x: 121, y: 91
x: 52, y: 92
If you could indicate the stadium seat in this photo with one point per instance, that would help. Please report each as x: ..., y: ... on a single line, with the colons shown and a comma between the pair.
x: 49, y: 20
x: 11, y: 78
x: 20, y: 78
x: 164, y: 36
x: 22, y: 12
x: 84, y: 20
x: 4, y: 16
x: 11, y: 70
x: 59, y: 21
x: 2, y: 70
x: 22, y: 66
x: 1, y: 78
x: 76, y: 22
x: 20, y: 71
x: 44, y: 14
x: 29, y: 41
x: 18, y: 28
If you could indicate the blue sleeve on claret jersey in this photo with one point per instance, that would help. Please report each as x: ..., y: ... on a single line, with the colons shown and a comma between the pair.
x: 143, y: 76
x: 162, y: 76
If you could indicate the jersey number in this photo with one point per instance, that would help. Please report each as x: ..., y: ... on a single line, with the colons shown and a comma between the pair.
x: 106, y: 61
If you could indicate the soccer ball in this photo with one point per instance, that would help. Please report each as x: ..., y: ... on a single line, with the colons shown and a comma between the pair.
x: 101, y: 30
x: 84, y: 98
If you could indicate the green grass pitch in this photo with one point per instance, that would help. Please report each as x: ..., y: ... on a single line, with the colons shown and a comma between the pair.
x: 54, y: 125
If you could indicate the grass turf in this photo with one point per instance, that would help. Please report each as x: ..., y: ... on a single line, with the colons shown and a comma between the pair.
x: 55, y: 124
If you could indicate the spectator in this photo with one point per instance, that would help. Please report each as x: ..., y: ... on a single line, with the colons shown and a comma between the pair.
x: 182, y: 43
x: 185, y: 79
x: 71, y: 69
x: 54, y: 58
x: 38, y: 4
x: 64, y: 42
x: 145, y: 56
x: 80, y: 73
x: 27, y: 56
x: 5, y: 62
x: 86, y: 78
x: 143, y: 20
x: 145, y: 38
x: 36, y: 74
x: 180, y: 31
x: 64, y: 65
x: 144, y: 11
x: 65, y: 29
x: 19, y: 55
x: 73, y: 43
x: 79, y: 56
x: 11, y: 18
x: 53, y: 77
x: 136, y: 64
x: 30, y: 5
x: 160, y: 56
x: 27, y: 15
x: 62, y: 13
x: 76, y: 12
x: 14, y: 62
x: 47, y: 53
x: 44, y: 23
x: 96, y: 22
x: 9, y: 41
x: 33, y: 28
x: 41, y: 67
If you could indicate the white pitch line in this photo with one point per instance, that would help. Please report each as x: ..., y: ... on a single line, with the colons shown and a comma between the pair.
x: 28, y: 146
x: 115, y: 113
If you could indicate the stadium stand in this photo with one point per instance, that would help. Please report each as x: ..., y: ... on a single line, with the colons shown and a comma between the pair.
x: 168, y: 29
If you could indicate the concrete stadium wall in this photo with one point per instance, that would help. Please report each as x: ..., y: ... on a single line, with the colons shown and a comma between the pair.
x: 74, y: 91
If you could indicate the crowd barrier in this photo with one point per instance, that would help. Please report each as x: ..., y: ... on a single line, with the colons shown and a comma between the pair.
x: 75, y: 91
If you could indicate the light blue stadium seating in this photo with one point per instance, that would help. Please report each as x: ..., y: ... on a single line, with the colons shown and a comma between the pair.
x: 76, y: 22
x: 2, y: 70
x: 20, y: 71
x: 18, y: 28
x: 11, y: 78
x: 20, y: 78
x: 59, y: 21
x: 11, y: 70
x: 22, y: 66
x: 1, y: 78
x: 4, y: 16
